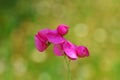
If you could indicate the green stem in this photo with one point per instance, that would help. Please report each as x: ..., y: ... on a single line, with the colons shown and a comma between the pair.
x: 68, y: 66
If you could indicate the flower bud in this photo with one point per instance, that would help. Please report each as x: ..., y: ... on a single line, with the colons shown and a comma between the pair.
x: 62, y: 29
x: 82, y: 51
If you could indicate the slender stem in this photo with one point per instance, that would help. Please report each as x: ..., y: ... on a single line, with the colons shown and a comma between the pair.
x: 69, y: 70
x: 68, y: 66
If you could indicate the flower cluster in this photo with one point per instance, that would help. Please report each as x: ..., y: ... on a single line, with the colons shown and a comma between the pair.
x: 62, y: 47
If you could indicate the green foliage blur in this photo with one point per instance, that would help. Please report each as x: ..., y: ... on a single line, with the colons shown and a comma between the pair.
x: 93, y: 23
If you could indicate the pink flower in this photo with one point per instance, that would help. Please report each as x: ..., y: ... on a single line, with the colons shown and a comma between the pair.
x: 70, y: 50
x: 41, y: 45
x: 42, y: 34
x: 82, y: 51
x: 62, y: 29
x: 46, y: 36
x: 54, y: 37
x: 62, y: 47
x: 66, y: 48
x: 58, y: 49
x: 41, y: 40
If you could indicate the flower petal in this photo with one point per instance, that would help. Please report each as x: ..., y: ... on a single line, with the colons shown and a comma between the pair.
x: 43, y: 34
x: 41, y: 46
x: 54, y: 37
x: 82, y: 51
x: 70, y: 51
x: 58, y: 50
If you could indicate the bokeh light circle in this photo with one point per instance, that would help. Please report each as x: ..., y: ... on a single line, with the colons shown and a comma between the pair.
x: 115, y: 38
x: 81, y: 30
x: 2, y: 67
x: 100, y: 35
x: 19, y: 67
x: 85, y: 72
x: 38, y: 57
x: 44, y: 76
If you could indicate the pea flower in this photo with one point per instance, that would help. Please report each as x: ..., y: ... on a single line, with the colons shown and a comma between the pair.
x: 62, y: 47
x: 41, y: 41
x: 70, y: 50
x: 46, y: 36
x: 66, y: 48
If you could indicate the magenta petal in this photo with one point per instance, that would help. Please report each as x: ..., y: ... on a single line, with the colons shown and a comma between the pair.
x: 70, y: 51
x: 62, y: 29
x: 58, y: 50
x: 54, y: 37
x: 41, y: 46
x: 43, y: 34
x: 82, y: 51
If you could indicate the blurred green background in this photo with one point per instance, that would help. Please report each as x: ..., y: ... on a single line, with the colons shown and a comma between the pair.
x: 93, y: 23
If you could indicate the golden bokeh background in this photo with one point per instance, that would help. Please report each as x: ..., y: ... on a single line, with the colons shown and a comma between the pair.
x: 93, y: 23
